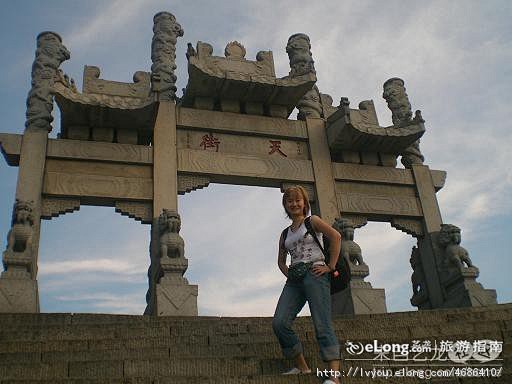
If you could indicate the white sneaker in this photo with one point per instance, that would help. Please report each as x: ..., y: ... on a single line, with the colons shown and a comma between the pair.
x: 296, y: 371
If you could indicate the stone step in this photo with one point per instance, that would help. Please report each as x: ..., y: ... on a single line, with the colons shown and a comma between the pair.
x: 494, y: 312
x: 236, y: 345
x: 155, y: 368
x: 193, y: 367
x: 267, y: 350
x: 230, y: 325
x: 120, y: 336
x: 264, y: 357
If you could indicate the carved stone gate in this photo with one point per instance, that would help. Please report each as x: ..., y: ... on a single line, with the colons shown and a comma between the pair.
x: 135, y: 146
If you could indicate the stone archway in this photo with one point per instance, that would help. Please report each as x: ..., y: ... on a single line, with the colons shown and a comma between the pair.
x: 134, y: 146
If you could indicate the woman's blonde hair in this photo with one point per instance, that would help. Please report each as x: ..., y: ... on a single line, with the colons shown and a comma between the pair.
x: 292, y: 192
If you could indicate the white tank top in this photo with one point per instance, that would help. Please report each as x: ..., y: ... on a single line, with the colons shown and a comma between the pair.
x: 304, y: 248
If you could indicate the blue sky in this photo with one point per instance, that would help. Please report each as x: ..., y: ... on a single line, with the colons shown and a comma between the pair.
x: 454, y: 57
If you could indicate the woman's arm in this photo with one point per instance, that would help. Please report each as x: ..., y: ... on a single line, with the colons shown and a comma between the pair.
x: 281, y: 257
x: 335, y: 244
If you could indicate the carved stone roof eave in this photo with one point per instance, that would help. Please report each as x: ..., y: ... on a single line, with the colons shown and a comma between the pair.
x: 117, y: 112
x: 344, y: 133
x: 64, y: 94
x: 205, y: 81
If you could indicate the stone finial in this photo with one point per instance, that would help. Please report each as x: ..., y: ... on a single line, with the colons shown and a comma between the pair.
x: 50, y: 53
x: 234, y: 50
x: 166, y: 31
x: 299, y: 53
x: 398, y: 103
x: 455, y: 255
x: 301, y: 63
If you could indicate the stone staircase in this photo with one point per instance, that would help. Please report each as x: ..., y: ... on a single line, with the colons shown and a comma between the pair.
x: 121, y: 349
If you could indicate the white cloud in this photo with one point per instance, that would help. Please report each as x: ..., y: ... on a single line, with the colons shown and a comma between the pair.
x: 109, y: 21
x: 94, y: 265
x: 56, y: 283
x: 107, y: 302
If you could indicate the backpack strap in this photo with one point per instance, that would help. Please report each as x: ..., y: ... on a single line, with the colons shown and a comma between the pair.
x: 283, y: 236
x: 311, y: 231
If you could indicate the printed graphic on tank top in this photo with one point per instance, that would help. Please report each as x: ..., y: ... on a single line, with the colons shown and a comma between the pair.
x: 303, y: 248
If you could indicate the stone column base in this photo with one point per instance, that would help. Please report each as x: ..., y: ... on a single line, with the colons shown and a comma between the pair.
x: 18, y: 295
x: 358, y: 299
x: 470, y: 294
x: 479, y: 296
x: 176, y: 299
x: 462, y: 289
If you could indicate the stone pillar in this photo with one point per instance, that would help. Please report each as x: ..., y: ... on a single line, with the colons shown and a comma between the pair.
x: 166, y: 31
x: 326, y: 201
x: 359, y: 297
x: 18, y: 284
x: 169, y: 293
x: 430, y: 254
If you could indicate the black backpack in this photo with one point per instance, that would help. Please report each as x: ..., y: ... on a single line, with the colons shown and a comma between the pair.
x: 340, y: 277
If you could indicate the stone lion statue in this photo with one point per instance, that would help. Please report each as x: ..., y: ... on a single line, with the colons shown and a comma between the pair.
x: 349, y: 248
x: 171, y: 243
x: 19, y: 238
x: 449, y: 239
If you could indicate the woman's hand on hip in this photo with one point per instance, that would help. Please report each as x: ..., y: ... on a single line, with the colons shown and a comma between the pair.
x: 319, y: 270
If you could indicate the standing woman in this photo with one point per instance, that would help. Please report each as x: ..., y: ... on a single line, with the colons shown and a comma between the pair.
x: 313, y: 287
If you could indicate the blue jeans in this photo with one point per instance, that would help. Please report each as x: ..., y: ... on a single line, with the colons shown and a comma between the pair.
x: 316, y: 291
